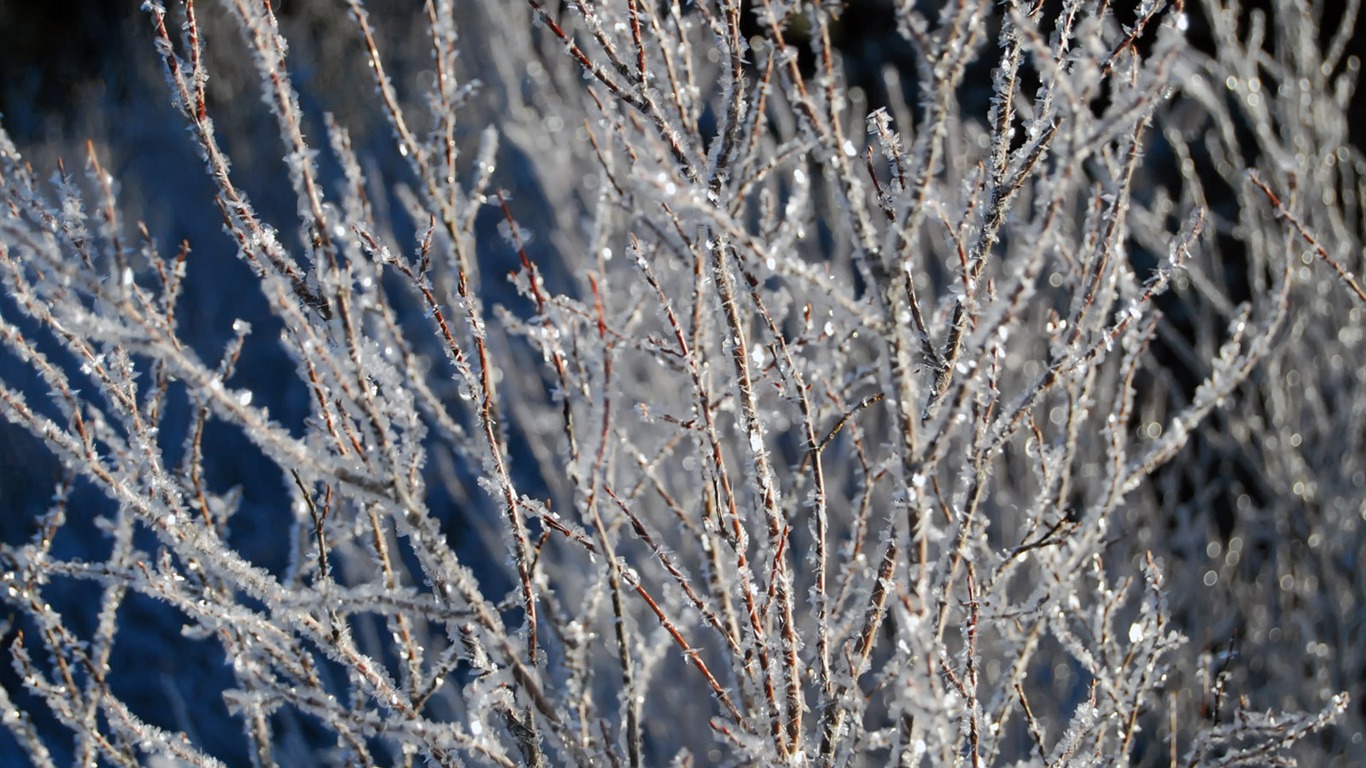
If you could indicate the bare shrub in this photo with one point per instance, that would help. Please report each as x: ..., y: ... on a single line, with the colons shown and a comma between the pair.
x: 643, y: 393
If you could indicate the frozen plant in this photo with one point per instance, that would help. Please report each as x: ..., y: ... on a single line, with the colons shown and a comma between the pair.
x: 994, y: 403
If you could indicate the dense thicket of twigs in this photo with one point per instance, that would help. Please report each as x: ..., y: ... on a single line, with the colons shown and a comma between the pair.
x: 1008, y: 413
